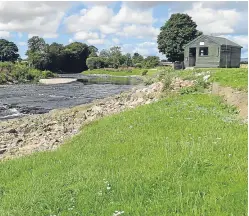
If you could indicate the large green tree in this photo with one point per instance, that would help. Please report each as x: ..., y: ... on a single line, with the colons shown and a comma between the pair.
x: 93, y: 51
x: 151, y: 61
x: 177, y: 31
x: 104, y: 53
x: 115, y: 56
x: 8, y: 51
x: 75, y: 55
x: 56, y: 57
x: 137, y: 58
x: 38, y: 53
x: 95, y: 62
x: 128, y: 60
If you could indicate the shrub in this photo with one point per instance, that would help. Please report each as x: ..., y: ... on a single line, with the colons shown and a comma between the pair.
x: 22, y: 73
x: 151, y: 61
x: 144, y: 72
x: 6, y: 66
x: 188, y: 90
x: 138, y: 65
x: 95, y: 63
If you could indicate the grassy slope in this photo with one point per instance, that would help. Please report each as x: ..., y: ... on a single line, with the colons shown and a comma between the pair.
x: 179, y: 156
x: 121, y: 73
x: 233, y: 77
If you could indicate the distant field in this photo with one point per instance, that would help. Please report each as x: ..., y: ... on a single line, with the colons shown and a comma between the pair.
x: 122, y: 72
x: 181, y: 156
x: 244, y: 66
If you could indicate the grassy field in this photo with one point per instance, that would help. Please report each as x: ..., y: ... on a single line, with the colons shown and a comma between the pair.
x: 184, y: 155
x: 234, y: 77
x: 122, y: 72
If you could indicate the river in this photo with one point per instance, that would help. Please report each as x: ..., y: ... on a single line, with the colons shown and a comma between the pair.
x: 25, y: 99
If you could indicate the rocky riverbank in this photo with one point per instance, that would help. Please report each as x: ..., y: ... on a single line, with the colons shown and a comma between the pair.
x: 48, y: 131
x: 43, y: 132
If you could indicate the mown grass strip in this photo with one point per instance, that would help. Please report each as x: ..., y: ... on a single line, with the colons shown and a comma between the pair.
x: 184, y: 155
x: 122, y: 72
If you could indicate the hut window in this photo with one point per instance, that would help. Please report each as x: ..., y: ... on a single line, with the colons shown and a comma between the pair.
x: 203, y: 51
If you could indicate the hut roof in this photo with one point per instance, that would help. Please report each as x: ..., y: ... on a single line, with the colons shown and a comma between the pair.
x: 218, y: 40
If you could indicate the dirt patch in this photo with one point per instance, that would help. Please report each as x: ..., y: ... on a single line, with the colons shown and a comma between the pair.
x: 232, y: 97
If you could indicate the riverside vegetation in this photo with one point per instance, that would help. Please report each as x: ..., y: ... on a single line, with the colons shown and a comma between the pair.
x: 177, y: 156
x: 21, y: 73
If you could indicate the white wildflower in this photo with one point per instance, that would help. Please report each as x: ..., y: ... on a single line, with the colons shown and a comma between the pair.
x: 108, y: 187
x: 205, y: 78
x: 117, y: 213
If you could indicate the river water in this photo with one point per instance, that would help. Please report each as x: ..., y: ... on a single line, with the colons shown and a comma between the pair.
x: 24, y: 99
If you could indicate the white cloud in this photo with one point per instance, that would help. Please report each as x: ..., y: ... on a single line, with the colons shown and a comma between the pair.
x: 239, y: 39
x: 143, y: 4
x: 103, y: 19
x: 133, y: 16
x: 116, y: 40
x: 46, y: 35
x: 50, y: 35
x: 90, y: 37
x: 86, y: 35
x: 109, y: 29
x: 98, y: 3
x: 89, y: 19
x: 212, y: 21
x: 102, y: 35
x: 140, y: 31
x: 22, y: 43
x: 96, y: 41
x: 147, y: 44
x: 36, y: 17
x: 4, y: 34
x: 70, y: 40
x: 145, y: 49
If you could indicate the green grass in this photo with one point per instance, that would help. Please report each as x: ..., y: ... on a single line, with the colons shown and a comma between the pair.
x: 234, y: 77
x: 181, y: 156
x: 121, y: 72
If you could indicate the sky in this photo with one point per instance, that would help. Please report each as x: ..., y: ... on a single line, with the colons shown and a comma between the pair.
x: 133, y: 26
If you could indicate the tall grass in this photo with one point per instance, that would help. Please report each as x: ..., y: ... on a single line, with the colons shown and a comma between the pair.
x: 185, y: 155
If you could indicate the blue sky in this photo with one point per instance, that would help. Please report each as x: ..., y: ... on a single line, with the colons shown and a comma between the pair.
x: 133, y: 26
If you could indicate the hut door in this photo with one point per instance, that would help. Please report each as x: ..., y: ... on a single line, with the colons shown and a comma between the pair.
x: 192, y: 57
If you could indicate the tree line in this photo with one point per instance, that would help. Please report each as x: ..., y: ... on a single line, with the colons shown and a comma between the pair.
x: 114, y: 58
x: 77, y: 57
x: 73, y: 58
